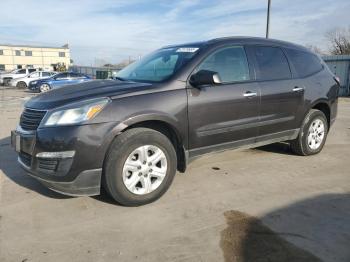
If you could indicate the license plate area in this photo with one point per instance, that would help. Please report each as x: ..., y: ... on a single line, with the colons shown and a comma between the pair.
x: 16, y: 141
x: 22, y: 143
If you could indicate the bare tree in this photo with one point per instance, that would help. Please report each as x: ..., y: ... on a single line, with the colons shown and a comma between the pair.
x: 339, y: 39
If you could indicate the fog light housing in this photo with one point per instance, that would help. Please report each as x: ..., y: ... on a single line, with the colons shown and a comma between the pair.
x: 62, y: 154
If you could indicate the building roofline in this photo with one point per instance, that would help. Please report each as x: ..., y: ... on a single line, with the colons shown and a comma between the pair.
x: 36, y: 46
x: 329, y: 58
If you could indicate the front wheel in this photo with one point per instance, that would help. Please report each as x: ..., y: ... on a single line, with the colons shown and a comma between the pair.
x: 312, y: 135
x: 44, y: 88
x: 139, y: 167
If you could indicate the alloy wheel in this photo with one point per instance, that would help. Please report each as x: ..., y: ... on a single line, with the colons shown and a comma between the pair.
x: 44, y: 88
x: 316, y: 134
x: 144, y: 170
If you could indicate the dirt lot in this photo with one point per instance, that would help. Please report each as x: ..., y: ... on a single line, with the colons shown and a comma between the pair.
x: 263, y: 204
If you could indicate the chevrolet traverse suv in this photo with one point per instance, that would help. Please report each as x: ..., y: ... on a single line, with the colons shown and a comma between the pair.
x: 130, y: 135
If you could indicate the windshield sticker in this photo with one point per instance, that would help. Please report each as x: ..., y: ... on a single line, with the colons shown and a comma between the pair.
x: 187, y: 49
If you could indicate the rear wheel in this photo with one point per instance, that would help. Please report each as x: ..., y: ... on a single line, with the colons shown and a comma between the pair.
x: 139, y: 167
x: 44, y: 88
x: 313, y: 134
x: 21, y: 84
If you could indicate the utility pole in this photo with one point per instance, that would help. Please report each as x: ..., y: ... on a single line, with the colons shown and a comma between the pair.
x: 268, y: 18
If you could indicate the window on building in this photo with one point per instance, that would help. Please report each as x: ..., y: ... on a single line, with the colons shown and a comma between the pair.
x: 272, y: 63
x: 30, y: 66
x: 17, y: 52
x: 61, y: 54
x: 19, y: 66
x: 28, y: 53
x: 1, y: 52
x: 2, y: 67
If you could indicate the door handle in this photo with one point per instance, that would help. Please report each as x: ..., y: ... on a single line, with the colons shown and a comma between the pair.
x: 250, y: 94
x: 298, y: 89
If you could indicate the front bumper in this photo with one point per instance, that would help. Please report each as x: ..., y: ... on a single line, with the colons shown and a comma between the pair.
x: 46, y: 154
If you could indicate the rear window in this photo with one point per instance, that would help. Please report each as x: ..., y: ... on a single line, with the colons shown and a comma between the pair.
x: 272, y: 63
x: 304, y: 63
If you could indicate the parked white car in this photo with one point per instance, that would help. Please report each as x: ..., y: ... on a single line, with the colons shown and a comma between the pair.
x: 6, y: 78
x: 23, y: 82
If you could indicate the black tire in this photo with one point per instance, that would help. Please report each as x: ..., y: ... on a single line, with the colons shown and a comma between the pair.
x: 21, y: 84
x: 300, y: 145
x: 122, y: 146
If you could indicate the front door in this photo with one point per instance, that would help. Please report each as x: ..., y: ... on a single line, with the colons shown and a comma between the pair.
x: 226, y: 114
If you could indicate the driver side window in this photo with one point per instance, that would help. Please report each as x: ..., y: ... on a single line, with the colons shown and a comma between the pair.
x: 230, y: 63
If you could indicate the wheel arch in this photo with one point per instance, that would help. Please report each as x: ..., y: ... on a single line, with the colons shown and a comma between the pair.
x: 161, y: 123
x: 324, y: 107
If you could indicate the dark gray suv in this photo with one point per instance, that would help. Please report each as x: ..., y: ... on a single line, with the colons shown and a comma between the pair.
x: 131, y: 134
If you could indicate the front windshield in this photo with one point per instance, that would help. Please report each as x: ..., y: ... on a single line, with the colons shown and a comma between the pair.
x: 158, y: 66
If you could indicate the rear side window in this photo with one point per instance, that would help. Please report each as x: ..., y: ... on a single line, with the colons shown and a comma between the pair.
x: 31, y: 70
x: 230, y: 63
x: 62, y: 76
x: 22, y: 71
x: 272, y: 63
x: 46, y: 74
x: 76, y: 75
x: 34, y: 75
x: 304, y: 63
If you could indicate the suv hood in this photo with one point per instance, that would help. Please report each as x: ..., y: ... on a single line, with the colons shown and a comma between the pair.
x: 87, y: 90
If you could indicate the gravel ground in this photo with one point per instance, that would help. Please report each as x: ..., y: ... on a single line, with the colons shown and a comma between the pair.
x: 262, y: 204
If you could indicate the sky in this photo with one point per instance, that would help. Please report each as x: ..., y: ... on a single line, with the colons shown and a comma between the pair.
x: 113, y: 30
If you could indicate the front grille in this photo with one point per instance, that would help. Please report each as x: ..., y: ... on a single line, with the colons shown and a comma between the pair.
x: 25, y: 158
x: 47, y: 164
x: 30, y: 118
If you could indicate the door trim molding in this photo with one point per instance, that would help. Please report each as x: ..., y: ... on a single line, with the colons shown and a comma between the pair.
x: 245, y: 143
x: 216, y: 131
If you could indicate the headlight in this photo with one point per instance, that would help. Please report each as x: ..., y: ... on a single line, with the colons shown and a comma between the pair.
x: 34, y: 82
x: 76, y: 113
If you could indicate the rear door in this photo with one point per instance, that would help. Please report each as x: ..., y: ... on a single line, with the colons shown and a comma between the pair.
x: 224, y: 115
x: 281, y: 96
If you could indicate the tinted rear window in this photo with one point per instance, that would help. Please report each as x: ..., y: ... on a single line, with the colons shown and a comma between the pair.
x: 272, y: 63
x: 304, y: 63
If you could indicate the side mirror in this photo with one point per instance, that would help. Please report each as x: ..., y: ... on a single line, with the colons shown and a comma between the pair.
x: 205, y: 77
